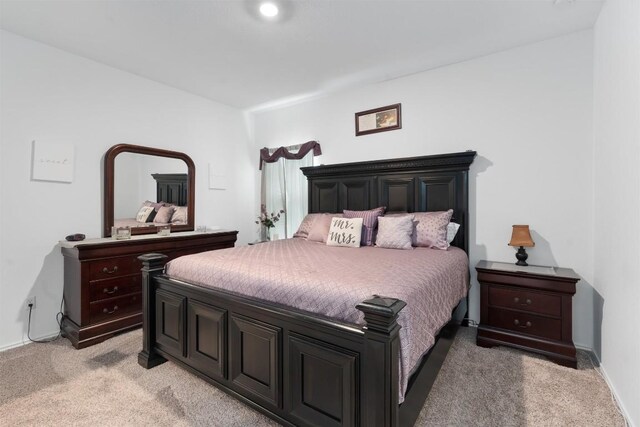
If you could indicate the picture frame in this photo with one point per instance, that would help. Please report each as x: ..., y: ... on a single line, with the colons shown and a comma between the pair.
x: 379, y: 120
x: 52, y: 162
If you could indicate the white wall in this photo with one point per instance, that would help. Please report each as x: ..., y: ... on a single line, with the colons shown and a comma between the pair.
x: 617, y: 198
x: 526, y: 111
x: 54, y: 97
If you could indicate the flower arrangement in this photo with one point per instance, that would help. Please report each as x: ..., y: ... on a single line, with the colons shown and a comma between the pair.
x: 268, y: 220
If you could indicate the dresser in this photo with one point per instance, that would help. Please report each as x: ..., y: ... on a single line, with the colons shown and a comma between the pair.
x: 102, y: 280
x: 529, y: 308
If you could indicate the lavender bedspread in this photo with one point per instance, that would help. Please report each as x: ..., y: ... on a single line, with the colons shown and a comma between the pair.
x: 331, y: 280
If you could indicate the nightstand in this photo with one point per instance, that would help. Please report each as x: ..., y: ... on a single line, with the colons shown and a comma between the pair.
x: 527, y: 308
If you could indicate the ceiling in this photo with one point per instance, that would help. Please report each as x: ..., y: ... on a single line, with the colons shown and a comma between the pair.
x: 223, y: 51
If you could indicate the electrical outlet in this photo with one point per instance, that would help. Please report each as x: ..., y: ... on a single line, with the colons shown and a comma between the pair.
x: 32, y: 301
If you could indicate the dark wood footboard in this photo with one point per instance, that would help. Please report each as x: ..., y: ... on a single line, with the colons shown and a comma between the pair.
x: 297, y: 368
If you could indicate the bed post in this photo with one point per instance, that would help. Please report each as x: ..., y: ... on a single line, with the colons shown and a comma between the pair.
x: 152, y: 265
x: 380, y: 367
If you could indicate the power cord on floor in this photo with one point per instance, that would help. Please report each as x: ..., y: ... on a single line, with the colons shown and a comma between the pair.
x: 59, y: 317
x: 470, y: 322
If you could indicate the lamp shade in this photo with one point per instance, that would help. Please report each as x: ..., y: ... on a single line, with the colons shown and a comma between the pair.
x: 521, y: 236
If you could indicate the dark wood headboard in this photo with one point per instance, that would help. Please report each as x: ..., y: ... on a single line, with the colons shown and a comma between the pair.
x: 171, y: 188
x: 412, y: 184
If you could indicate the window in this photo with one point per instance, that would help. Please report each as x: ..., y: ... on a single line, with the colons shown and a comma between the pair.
x: 284, y: 186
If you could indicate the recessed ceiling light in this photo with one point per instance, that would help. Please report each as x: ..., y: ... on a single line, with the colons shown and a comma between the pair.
x: 268, y: 9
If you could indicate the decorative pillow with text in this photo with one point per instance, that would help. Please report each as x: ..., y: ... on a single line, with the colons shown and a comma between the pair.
x: 144, y: 213
x: 345, y: 232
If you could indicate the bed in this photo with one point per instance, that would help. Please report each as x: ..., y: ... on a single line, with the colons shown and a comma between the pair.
x: 298, y: 365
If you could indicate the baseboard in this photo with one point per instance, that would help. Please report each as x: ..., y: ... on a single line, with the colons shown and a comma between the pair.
x: 26, y: 341
x: 587, y: 349
x: 623, y: 409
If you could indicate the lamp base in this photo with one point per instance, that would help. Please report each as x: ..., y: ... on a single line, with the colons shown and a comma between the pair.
x: 522, y: 256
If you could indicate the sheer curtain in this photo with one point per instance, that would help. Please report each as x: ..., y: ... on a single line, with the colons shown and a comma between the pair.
x: 273, y: 192
x: 284, y: 186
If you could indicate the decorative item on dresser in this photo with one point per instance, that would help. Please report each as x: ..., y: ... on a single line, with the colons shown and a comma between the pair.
x: 527, y: 308
x: 520, y: 236
x: 102, y: 280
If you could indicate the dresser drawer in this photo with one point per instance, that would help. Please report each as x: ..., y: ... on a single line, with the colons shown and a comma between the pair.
x: 114, y: 308
x: 111, y: 288
x: 535, y: 302
x: 114, y: 267
x: 525, y: 323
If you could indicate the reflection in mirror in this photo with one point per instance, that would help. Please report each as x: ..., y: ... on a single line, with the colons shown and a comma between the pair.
x: 146, y: 188
x: 141, y: 179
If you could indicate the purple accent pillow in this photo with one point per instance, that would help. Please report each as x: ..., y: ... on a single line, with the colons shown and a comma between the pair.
x: 155, y: 206
x: 320, y: 228
x: 179, y: 215
x: 395, y: 232
x: 369, y: 222
x: 164, y: 215
x: 306, y: 225
x: 431, y: 229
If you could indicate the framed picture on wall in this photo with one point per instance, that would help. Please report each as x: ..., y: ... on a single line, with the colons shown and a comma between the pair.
x: 379, y: 120
x: 52, y: 162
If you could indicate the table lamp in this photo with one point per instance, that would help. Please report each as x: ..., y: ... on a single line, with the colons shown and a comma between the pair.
x: 521, y: 237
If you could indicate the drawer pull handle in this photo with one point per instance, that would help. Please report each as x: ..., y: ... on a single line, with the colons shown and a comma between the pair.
x: 112, y: 291
x: 526, y: 325
x: 107, y: 271
x: 526, y: 302
x: 106, y: 310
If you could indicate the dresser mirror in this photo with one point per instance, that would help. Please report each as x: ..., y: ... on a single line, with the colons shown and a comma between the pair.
x: 135, y: 176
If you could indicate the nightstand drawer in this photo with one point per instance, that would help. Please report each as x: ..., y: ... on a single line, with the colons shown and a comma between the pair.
x: 118, y: 286
x: 525, y: 323
x: 535, y: 302
x: 114, y: 308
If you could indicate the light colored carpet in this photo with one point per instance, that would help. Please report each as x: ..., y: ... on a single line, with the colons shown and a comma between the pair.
x: 54, y: 385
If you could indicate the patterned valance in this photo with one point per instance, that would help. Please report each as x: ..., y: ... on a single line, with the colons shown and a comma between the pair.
x: 284, y: 152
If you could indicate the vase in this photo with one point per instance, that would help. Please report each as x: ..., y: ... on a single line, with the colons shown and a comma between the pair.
x: 265, y: 233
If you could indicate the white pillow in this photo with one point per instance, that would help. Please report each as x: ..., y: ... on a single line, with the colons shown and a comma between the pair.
x: 345, y: 232
x: 452, y: 229
x: 395, y: 232
x: 144, y: 212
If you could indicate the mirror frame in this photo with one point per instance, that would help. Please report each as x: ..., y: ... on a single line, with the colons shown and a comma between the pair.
x: 109, y: 178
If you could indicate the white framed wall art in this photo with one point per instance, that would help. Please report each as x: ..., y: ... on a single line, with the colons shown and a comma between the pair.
x: 52, y: 162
